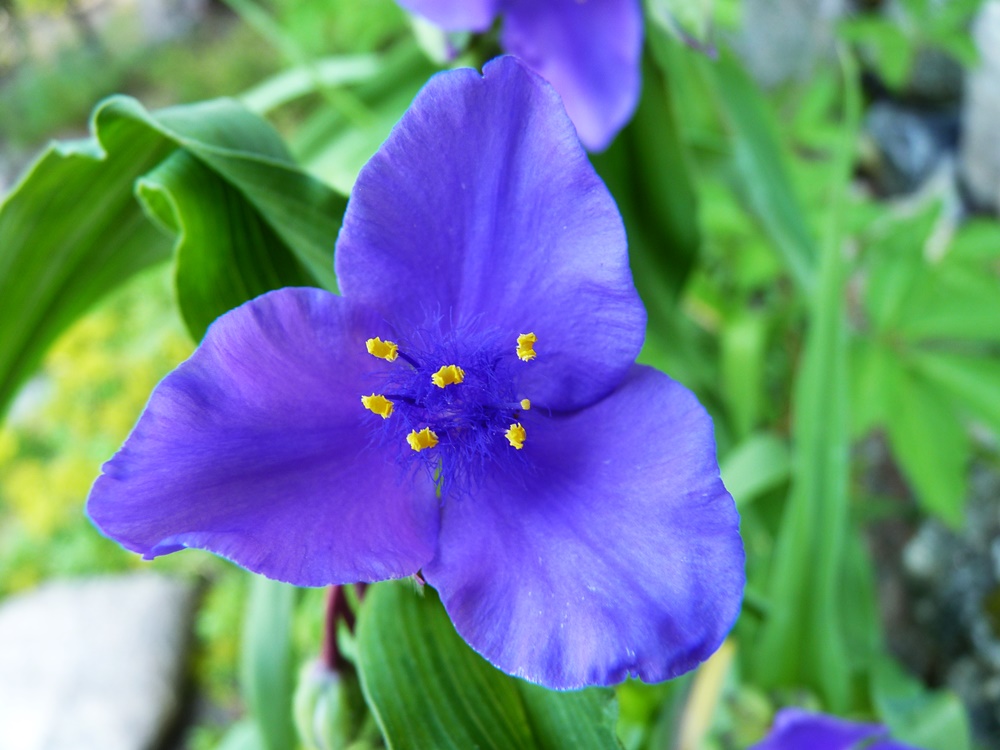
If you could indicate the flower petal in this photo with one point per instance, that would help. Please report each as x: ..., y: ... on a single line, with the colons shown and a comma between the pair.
x: 795, y: 729
x: 615, y: 553
x: 256, y: 449
x: 455, y: 15
x: 482, y: 209
x: 589, y: 51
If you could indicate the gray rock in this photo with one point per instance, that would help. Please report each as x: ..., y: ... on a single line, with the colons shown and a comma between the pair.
x: 93, y: 664
x: 782, y: 40
x: 908, y: 145
x: 980, y: 149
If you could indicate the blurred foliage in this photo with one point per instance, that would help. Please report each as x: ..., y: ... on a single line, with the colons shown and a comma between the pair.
x: 807, y: 314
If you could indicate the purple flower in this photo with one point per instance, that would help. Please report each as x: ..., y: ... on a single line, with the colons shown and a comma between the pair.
x: 469, y: 408
x: 588, y: 50
x: 795, y: 729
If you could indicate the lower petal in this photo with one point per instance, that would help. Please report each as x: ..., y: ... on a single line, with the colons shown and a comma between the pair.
x: 589, y: 51
x: 795, y: 729
x: 257, y: 449
x: 616, y: 552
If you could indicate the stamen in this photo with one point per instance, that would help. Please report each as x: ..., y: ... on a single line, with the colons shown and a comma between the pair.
x: 379, y: 404
x: 386, y: 350
x: 525, y: 404
x: 448, y: 375
x: 423, y: 439
x: 526, y: 347
x: 516, y: 435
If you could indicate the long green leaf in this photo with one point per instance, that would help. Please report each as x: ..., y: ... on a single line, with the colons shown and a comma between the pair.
x: 972, y: 381
x: 428, y: 689
x: 802, y: 641
x: 267, y: 664
x: 759, y: 161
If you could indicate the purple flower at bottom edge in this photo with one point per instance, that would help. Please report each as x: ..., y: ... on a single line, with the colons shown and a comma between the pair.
x: 795, y: 729
x: 565, y: 502
x: 589, y: 50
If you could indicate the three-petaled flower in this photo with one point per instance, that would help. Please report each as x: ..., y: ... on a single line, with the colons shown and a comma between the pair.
x: 795, y: 729
x: 589, y: 50
x: 469, y: 409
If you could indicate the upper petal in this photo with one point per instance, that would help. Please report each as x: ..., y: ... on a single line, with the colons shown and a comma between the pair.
x: 455, y: 15
x: 482, y: 209
x: 589, y: 51
x: 615, y: 552
x: 257, y: 449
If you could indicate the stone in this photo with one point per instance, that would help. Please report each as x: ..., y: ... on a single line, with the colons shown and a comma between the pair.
x: 979, y: 156
x: 93, y: 663
x: 782, y: 40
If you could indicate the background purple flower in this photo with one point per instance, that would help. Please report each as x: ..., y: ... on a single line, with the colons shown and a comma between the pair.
x: 795, y: 729
x: 589, y: 50
x: 603, y: 545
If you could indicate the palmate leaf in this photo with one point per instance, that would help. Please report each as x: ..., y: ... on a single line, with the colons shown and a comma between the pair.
x: 213, y: 174
x: 428, y: 688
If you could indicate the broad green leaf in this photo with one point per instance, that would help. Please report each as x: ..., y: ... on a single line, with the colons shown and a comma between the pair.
x: 72, y: 229
x: 972, y: 381
x: 226, y: 253
x: 931, y: 720
x: 931, y: 446
x: 429, y: 689
x: 953, y: 301
x: 758, y: 464
x: 267, y: 665
x: 759, y: 161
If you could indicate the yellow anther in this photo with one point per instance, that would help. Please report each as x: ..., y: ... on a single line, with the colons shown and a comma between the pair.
x: 378, y: 404
x: 516, y: 435
x: 526, y: 346
x: 448, y: 375
x: 525, y: 404
x: 386, y: 350
x: 425, y: 438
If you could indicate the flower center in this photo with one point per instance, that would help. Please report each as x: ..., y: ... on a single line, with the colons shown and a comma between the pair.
x: 453, y: 400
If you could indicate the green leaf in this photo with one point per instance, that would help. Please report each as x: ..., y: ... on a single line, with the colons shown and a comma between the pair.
x: 690, y: 21
x: 875, y: 370
x: 744, y: 339
x: 931, y: 446
x: 759, y: 162
x: 646, y: 170
x: 931, y: 720
x: 758, y: 464
x: 953, y: 301
x: 972, y: 381
x: 267, y: 669
x: 244, y: 735
x: 801, y: 642
x: 429, y: 689
x: 226, y: 252
x: 72, y: 230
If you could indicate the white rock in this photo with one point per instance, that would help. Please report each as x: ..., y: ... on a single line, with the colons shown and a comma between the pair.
x: 93, y: 664
x: 980, y: 149
x: 782, y: 40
